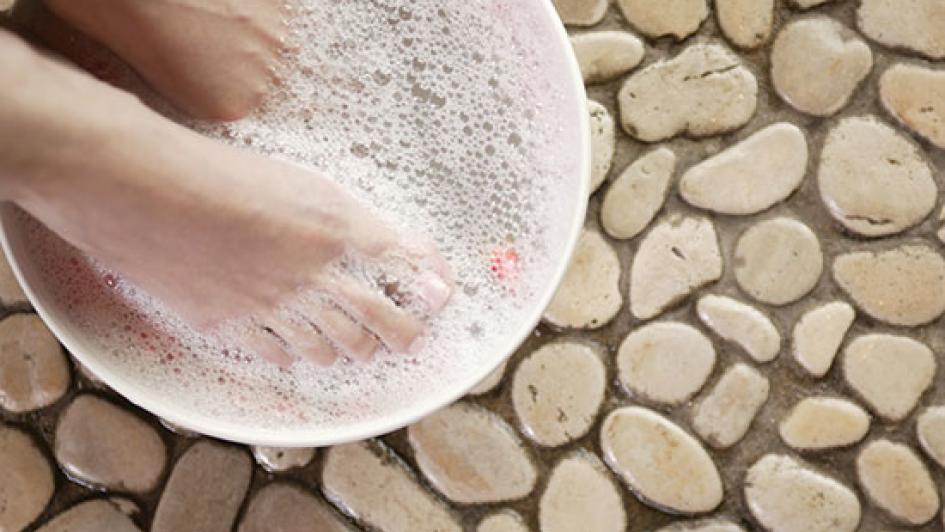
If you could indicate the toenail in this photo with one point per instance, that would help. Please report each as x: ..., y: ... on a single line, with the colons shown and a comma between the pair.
x: 434, y: 291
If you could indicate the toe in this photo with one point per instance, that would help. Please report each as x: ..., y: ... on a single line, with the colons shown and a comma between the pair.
x: 305, y: 341
x: 264, y: 344
x: 395, y: 327
x: 344, y: 331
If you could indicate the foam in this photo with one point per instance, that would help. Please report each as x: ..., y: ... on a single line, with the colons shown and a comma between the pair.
x: 443, y: 119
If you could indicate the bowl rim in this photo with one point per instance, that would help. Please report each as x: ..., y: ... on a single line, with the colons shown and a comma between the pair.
x: 151, y: 402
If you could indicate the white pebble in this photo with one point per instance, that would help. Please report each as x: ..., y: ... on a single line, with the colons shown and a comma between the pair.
x: 742, y: 324
x: 635, y: 197
x: 915, y: 95
x: 872, y: 179
x: 503, y: 521
x: 677, y: 257
x: 889, y: 372
x: 896, y: 480
x: 588, y: 297
x: 778, y: 261
x: 818, y: 335
x: 750, y: 176
x: 282, y: 458
x: 656, y: 18
x: 581, y: 496
x: 705, y: 90
x: 665, y: 362
x: 818, y: 423
x: 490, y: 382
x: 930, y: 428
x: 703, y: 525
x: 661, y: 463
x: 747, y: 23
x: 724, y: 415
x: 580, y: 12
x: 917, y: 25
x: 603, y: 143
x: 605, y: 55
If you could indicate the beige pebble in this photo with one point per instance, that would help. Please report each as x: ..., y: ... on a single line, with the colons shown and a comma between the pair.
x: 665, y: 362
x: 818, y: 334
x: 580, y: 12
x: 778, y: 261
x: 807, y: 4
x: 678, y: 256
x: 634, y: 198
x: 703, y: 525
x: 747, y: 23
x: 471, y: 455
x: 588, y: 296
x: 787, y: 496
x: 724, y: 415
x: 557, y: 391
x: 502, y: 521
x: 580, y: 495
x: 661, y: 463
x: 282, y: 507
x: 817, y: 64
x: 750, y: 176
x: 603, y: 143
x: 741, y: 324
x: 930, y: 429
x: 34, y: 372
x: 372, y: 485
x: 818, y: 423
x: 705, y: 90
x: 605, y: 55
x: 276, y: 459
x: 106, y: 446
x: 917, y: 25
x: 872, y: 179
x: 490, y: 382
x: 11, y: 293
x: 657, y: 18
x: 26, y: 480
x: 897, y: 481
x: 205, y: 489
x: 915, y: 95
x: 97, y: 515
x: 889, y: 372
x: 902, y: 286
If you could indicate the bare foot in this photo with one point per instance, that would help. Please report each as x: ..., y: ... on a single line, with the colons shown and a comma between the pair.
x: 219, y: 234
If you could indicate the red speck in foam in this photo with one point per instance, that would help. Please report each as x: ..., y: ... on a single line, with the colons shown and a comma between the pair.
x: 504, y: 264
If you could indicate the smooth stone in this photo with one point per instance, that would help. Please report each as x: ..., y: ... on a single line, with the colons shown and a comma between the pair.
x: 281, y: 507
x: 662, y: 464
x: 818, y: 423
x: 658, y: 18
x: 588, y: 296
x: 606, y: 55
x: 97, y: 515
x: 677, y: 257
x: 930, y: 429
x: 817, y: 64
x: 106, y: 446
x: 889, y: 372
x: 872, y: 179
x: 665, y: 362
x: 778, y: 261
x: 27, y: 482
x: 901, y: 286
x: 603, y: 143
x: 472, y: 456
x: 747, y: 23
x: 580, y: 495
x: 369, y: 483
x: 897, y: 481
x: 34, y: 372
x: 724, y: 415
x: 580, y: 12
x: 703, y: 525
x: 916, y: 25
x: 818, y: 334
x: 11, y: 293
x: 787, y: 496
x: 557, y: 392
x: 740, y: 324
x: 205, y: 489
x: 915, y: 95
x: 750, y: 176
x: 502, y: 521
x: 634, y: 198
x: 276, y: 459
x: 490, y: 382
x: 705, y: 90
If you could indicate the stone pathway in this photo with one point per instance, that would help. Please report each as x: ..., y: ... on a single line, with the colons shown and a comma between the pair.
x: 750, y: 336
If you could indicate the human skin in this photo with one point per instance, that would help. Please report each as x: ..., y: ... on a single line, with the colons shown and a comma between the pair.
x: 219, y: 234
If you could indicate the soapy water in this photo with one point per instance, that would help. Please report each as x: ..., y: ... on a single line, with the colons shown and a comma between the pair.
x: 455, y: 121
